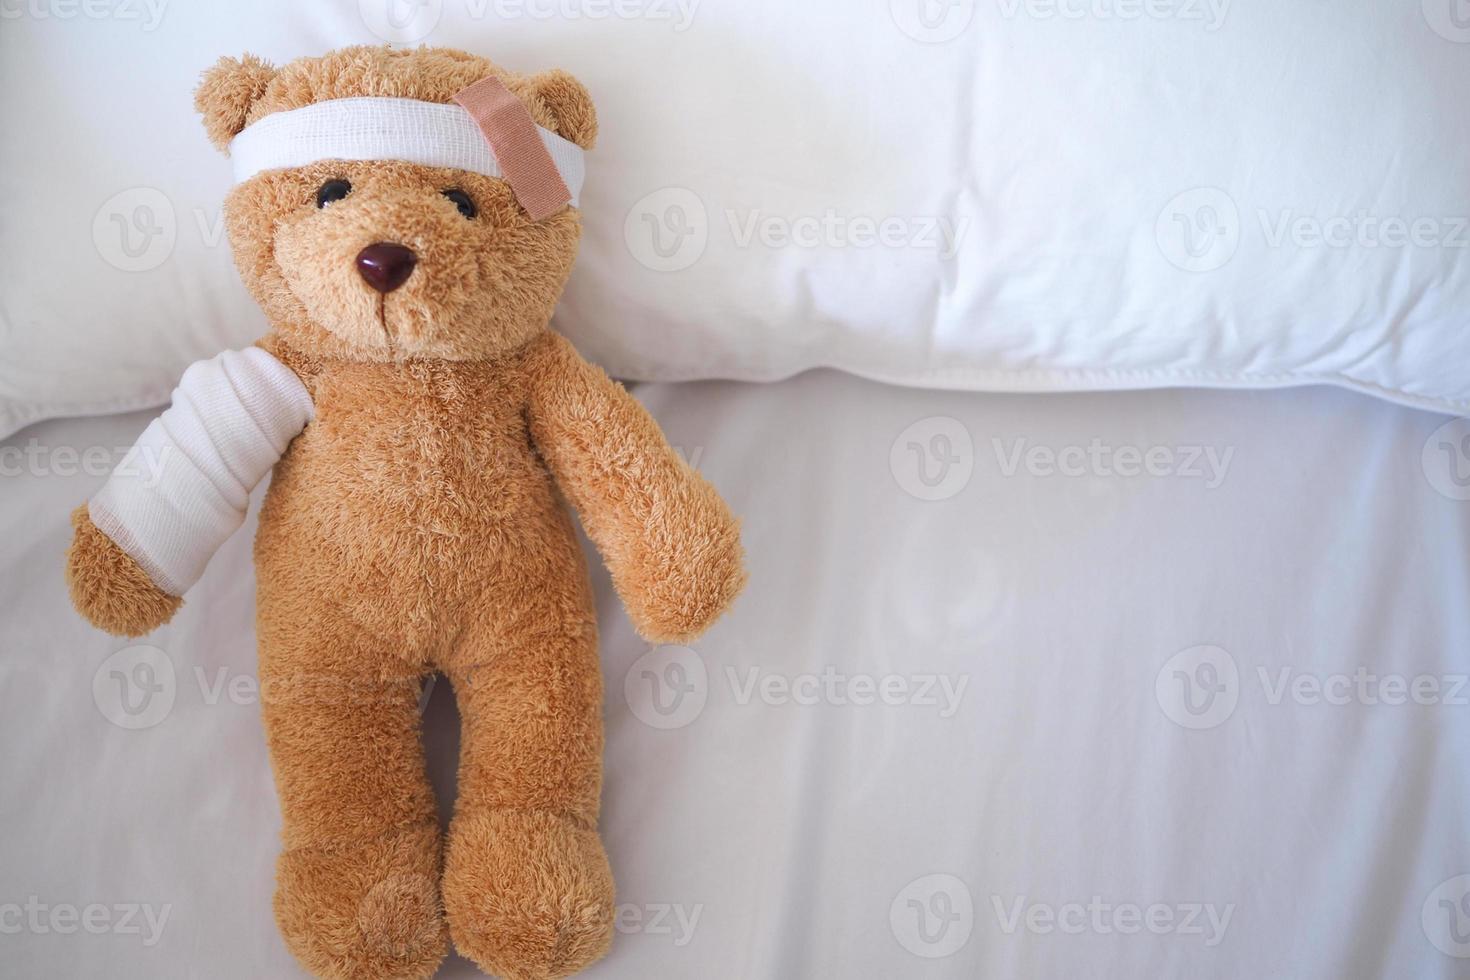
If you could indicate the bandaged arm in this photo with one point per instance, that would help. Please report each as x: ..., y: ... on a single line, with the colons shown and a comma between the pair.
x: 185, y: 485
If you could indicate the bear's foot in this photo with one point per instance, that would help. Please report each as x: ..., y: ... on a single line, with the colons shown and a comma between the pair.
x: 529, y: 895
x: 364, y: 910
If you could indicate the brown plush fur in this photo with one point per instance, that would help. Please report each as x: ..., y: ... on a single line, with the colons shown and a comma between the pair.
x: 110, y: 587
x: 417, y: 525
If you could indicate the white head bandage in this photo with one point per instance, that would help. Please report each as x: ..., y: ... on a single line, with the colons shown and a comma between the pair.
x: 432, y: 134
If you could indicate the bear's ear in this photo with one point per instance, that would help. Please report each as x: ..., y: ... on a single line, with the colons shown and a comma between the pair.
x: 569, y: 104
x: 226, y: 92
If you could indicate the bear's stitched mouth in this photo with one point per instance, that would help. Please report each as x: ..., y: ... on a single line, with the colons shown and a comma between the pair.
x: 383, y: 321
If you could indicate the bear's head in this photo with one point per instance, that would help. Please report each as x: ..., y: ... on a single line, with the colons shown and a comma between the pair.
x: 383, y: 259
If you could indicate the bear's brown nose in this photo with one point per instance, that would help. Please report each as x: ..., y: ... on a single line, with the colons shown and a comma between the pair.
x: 386, y: 265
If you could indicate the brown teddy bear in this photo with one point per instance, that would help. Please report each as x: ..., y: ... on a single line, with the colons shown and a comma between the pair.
x: 405, y: 219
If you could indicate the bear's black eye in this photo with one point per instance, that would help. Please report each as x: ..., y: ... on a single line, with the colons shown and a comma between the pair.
x: 462, y: 201
x: 332, y: 190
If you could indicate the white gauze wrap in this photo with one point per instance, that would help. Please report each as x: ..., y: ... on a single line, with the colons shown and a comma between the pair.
x: 185, y: 485
x: 375, y: 128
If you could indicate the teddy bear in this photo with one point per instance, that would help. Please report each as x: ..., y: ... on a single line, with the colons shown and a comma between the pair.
x: 407, y: 219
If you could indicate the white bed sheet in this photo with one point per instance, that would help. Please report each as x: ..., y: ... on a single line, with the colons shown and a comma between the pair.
x: 1048, y: 814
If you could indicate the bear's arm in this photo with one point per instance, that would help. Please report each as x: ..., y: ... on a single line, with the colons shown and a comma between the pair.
x: 144, y: 539
x: 671, y: 544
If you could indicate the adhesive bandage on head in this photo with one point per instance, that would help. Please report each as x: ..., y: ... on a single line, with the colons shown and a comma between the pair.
x: 486, y: 131
x: 185, y: 485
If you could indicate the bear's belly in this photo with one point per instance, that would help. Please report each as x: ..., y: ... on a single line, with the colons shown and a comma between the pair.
x: 403, y: 510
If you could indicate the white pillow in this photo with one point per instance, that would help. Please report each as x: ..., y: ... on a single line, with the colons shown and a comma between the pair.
x: 1016, y: 195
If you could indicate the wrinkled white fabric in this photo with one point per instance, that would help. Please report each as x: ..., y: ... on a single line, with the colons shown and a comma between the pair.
x: 370, y: 128
x: 185, y: 485
x: 992, y: 731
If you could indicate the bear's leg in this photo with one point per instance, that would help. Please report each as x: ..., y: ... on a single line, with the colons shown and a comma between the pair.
x: 527, y: 888
x: 357, y: 893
